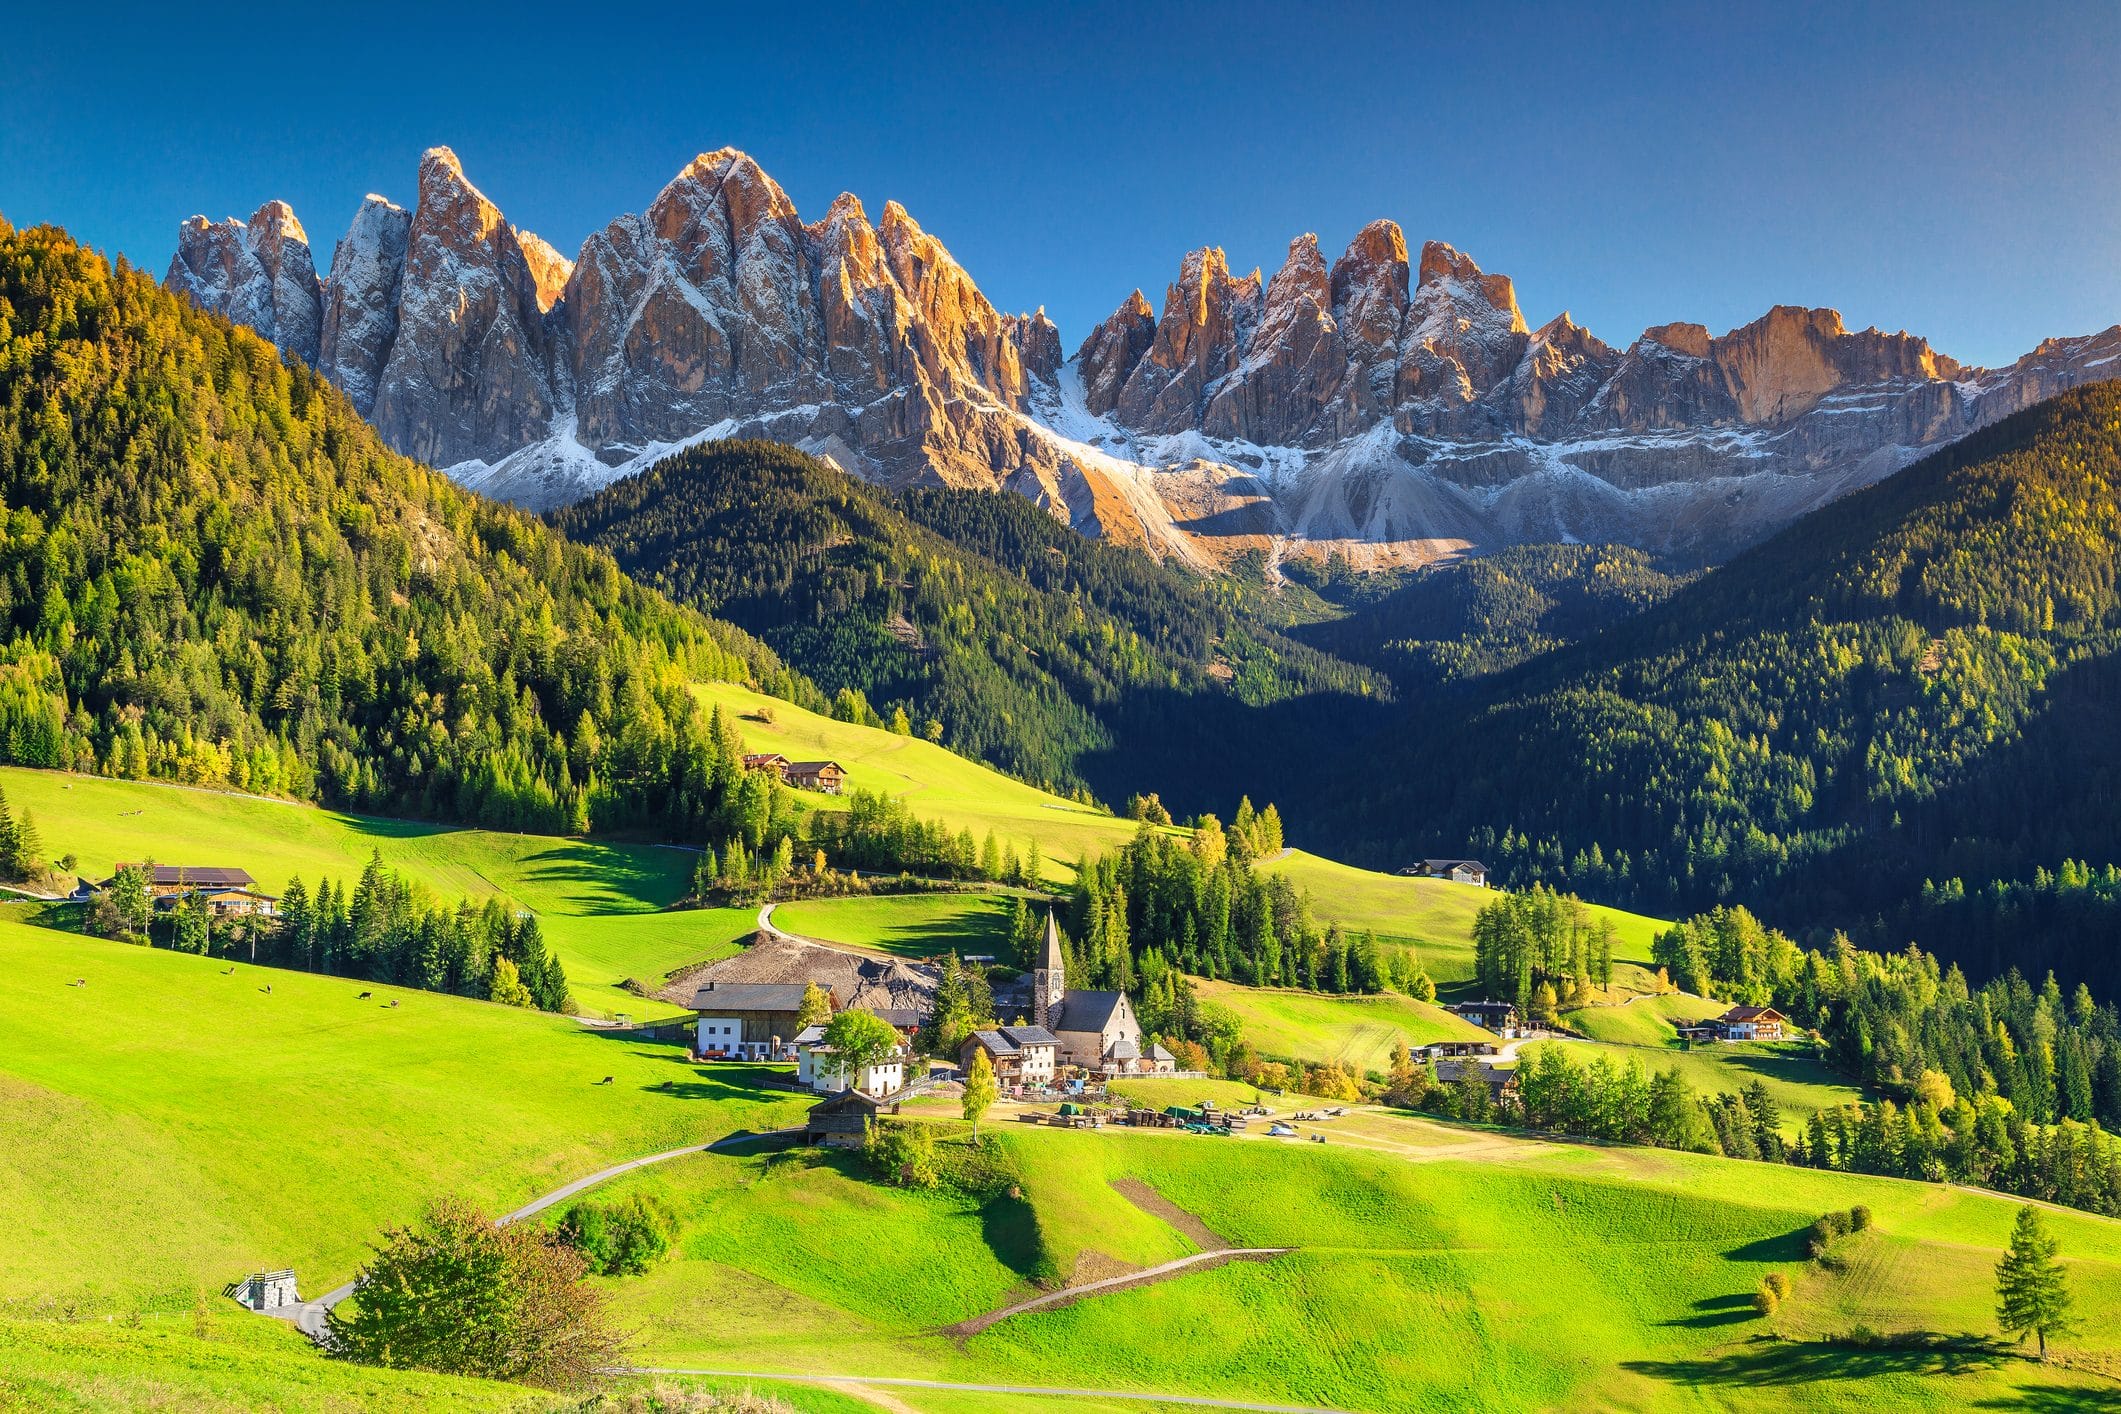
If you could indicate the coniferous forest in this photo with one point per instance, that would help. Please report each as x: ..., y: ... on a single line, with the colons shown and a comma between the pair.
x: 213, y: 572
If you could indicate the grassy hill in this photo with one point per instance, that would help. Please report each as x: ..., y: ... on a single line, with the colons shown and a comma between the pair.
x: 1474, y: 1271
x: 246, y: 1130
x: 599, y: 904
x: 907, y: 925
x: 1314, y: 1026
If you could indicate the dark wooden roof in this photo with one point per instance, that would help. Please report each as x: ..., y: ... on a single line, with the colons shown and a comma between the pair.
x: 749, y: 996
x: 1008, y: 1040
x: 1751, y: 1013
x: 198, y: 875
x: 812, y: 768
x: 847, y: 1102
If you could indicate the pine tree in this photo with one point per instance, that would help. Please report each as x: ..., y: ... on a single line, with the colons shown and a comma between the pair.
x: 2032, y: 1289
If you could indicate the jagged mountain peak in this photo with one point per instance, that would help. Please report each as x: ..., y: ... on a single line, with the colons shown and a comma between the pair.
x: 1389, y: 406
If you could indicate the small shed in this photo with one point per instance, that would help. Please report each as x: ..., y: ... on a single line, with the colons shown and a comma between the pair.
x: 841, y: 1122
x: 265, y: 1291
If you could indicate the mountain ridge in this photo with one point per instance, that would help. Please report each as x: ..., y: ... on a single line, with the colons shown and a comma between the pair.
x: 1388, y: 407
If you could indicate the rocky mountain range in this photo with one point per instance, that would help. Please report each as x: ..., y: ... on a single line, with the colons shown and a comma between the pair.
x: 1387, y: 407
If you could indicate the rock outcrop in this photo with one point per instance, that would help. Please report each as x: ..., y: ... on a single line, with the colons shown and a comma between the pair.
x: 1388, y: 407
x: 259, y: 274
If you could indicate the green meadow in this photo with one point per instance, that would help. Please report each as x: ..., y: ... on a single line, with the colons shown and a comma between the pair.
x: 172, y: 1124
x: 1357, y: 1031
x: 938, y: 784
x: 603, y: 906
x: 907, y: 925
x: 1482, y: 1272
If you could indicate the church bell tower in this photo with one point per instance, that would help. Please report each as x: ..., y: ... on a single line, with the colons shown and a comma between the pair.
x: 1049, y: 982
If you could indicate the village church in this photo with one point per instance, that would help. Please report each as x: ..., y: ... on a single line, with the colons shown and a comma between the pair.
x: 1096, y: 1030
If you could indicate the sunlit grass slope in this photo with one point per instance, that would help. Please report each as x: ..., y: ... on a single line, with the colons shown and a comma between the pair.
x: 909, y: 925
x: 600, y: 905
x: 172, y: 1125
x: 1357, y: 1031
x: 1484, y: 1272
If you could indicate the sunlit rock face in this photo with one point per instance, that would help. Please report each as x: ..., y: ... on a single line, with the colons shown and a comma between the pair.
x: 1389, y: 406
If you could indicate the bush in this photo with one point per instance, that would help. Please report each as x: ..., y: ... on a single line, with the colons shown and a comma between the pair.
x: 459, y: 1296
x: 1859, y: 1217
x: 902, y: 1152
x: 625, y: 1238
x: 1779, y: 1284
x: 1766, y: 1299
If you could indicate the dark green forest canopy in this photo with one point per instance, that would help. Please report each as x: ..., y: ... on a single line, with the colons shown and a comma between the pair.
x: 212, y: 571
x: 1062, y: 660
x: 1914, y: 683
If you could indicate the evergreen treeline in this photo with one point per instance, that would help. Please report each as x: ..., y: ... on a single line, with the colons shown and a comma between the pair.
x: 1919, y: 681
x: 1164, y: 905
x: 978, y: 619
x: 212, y: 571
x: 1468, y: 618
x: 382, y: 929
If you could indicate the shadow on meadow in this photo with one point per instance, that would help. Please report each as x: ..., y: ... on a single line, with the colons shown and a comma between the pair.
x: 2056, y: 1401
x: 1766, y: 1360
x: 595, y: 876
x: 1717, y: 1311
x: 1790, y: 1246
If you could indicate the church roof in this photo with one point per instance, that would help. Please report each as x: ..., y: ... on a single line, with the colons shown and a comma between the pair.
x: 1088, y: 1011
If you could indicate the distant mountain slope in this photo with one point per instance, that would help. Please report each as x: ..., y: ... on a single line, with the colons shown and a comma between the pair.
x: 1914, y: 685
x: 1032, y: 648
x: 214, y: 572
x: 1393, y: 406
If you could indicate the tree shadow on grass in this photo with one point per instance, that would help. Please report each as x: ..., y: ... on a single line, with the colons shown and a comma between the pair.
x: 1765, y: 1360
x: 2056, y: 1401
x: 1718, y: 1311
x: 1784, y: 1247
x: 1010, y: 1227
x: 596, y: 875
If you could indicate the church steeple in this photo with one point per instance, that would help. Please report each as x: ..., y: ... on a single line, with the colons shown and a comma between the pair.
x: 1049, y: 980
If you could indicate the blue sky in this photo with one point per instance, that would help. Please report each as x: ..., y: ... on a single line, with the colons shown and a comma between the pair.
x: 1952, y: 170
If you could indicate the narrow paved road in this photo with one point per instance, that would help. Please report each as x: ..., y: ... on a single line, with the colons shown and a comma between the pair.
x: 1194, y: 1400
x: 309, y: 1316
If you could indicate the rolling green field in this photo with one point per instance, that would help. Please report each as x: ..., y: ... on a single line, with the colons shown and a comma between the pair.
x: 600, y: 905
x: 1435, y: 917
x: 1795, y: 1078
x: 1483, y: 1272
x: 1645, y: 1021
x: 1312, y: 1026
x: 938, y: 784
x: 172, y: 1125
x: 906, y: 925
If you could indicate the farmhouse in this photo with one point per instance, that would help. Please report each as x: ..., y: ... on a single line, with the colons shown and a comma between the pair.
x: 224, y: 903
x: 177, y: 880
x: 766, y: 761
x: 1751, y: 1023
x: 1457, y: 871
x: 748, y: 1020
x: 818, y: 1067
x: 825, y: 777
x: 1095, y: 1030
x: 1499, y: 1082
x: 841, y: 1122
x: 901, y: 992
x: 1500, y: 1017
x: 1021, y: 1055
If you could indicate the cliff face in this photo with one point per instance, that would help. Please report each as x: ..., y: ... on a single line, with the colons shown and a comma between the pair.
x: 1387, y: 406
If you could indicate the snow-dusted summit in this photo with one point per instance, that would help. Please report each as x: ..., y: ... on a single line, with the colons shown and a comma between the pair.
x: 1382, y: 406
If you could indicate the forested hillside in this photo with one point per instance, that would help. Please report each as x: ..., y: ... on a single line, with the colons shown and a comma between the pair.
x: 212, y: 571
x: 994, y: 628
x: 1916, y: 683
x: 1470, y: 617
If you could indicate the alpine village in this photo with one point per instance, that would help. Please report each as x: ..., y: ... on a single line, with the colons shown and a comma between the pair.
x: 699, y: 816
